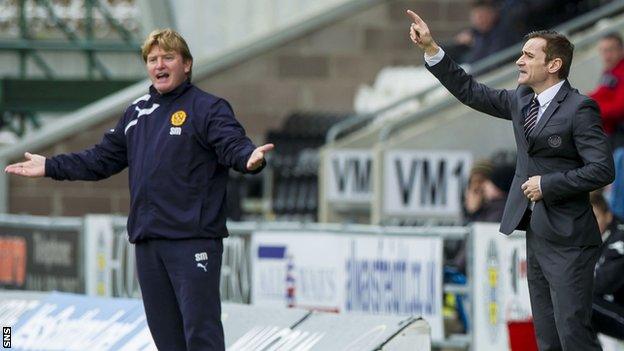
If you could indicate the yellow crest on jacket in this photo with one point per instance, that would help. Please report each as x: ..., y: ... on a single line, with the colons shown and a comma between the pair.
x: 178, y: 118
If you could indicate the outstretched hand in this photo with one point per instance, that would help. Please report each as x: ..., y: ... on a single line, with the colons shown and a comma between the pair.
x: 257, y: 156
x: 420, y: 34
x: 34, y: 166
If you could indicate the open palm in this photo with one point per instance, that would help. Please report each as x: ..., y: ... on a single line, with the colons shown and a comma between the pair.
x: 257, y: 156
x: 34, y: 166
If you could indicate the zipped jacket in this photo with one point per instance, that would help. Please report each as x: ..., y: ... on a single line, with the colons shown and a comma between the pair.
x: 178, y: 147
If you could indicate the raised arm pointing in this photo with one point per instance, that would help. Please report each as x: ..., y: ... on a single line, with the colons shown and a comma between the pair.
x: 420, y: 34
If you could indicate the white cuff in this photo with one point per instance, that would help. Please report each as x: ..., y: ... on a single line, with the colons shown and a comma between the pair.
x: 433, y: 60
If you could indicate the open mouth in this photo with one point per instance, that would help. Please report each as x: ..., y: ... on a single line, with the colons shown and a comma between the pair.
x: 162, y: 76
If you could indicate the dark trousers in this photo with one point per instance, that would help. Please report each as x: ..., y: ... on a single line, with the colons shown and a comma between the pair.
x: 561, y: 281
x: 179, y: 282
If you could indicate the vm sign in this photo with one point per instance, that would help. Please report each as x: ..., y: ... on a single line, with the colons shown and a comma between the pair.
x: 349, y: 176
x: 424, y: 183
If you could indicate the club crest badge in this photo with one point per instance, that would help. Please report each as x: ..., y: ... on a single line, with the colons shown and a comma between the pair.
x: 554, y: 141
x: 178, y: 118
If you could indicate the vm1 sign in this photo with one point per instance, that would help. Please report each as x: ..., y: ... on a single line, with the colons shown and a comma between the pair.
x: 424, y: 183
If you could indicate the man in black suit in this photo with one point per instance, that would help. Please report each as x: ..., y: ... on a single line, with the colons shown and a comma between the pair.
x: 563, y: 154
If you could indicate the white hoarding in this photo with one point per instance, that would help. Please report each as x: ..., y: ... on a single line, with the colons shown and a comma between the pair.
x: 350, y: 273
x: 298, y: 269
x: 500, y: 285
x: 349, y: 176
x: 395, y: 275
x: 424, y: 183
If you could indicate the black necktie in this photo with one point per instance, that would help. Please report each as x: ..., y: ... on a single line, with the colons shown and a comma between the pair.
x: 531, y: 118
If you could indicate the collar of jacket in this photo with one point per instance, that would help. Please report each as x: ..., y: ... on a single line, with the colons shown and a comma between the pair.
x: 170, y: 96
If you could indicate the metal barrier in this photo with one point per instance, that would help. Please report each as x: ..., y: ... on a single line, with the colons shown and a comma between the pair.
x: 107, y: 262
x: 92, y: 255
x: 235, y: 271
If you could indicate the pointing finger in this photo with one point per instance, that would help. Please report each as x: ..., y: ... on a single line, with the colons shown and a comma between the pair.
x: 414, y: 16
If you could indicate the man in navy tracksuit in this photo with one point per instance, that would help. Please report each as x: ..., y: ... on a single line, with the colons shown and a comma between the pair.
x: 178, y: 143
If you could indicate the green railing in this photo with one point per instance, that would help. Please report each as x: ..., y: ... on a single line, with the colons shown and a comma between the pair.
x: 29, y: 47
x: 22, y: 98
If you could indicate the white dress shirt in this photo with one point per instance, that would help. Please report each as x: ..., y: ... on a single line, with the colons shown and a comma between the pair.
x: 545, y: 97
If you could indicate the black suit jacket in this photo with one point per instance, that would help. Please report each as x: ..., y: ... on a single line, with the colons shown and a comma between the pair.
x: 568, y: 149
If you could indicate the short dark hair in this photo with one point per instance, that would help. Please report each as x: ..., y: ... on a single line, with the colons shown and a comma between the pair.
x: 557, y: 46
x: 613, y: 36
x: 597, y: 200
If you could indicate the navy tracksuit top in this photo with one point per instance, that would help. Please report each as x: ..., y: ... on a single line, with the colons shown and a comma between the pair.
x: 178, y: 147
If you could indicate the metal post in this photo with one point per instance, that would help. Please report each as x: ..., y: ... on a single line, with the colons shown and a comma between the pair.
x: 4, y: 188
x: 378, y: 176
x: 90, y: 38
x: 24, y: 35
x: 323, y: 205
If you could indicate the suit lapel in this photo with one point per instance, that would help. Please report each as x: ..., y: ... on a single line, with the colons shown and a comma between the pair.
x: 550, y: 110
